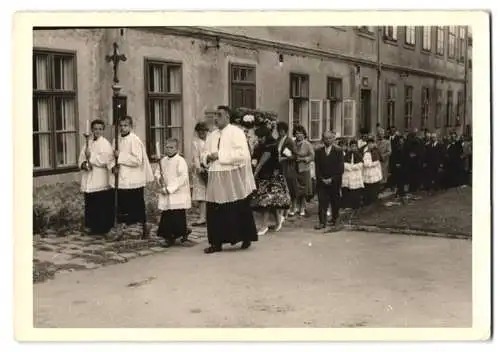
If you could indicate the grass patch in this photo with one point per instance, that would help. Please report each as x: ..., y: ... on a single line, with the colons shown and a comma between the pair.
x: 446, y: 212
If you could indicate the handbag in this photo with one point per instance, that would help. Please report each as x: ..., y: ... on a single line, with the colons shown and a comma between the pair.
x: 204, y: 175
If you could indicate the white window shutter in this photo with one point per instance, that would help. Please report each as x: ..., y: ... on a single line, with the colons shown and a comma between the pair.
x: 315, y: 119
x: 349, y: 118
x: 354, y: 122
x: 326, y: 116
x: 320, y: 120
x: 290, y: 117
x: 309, y: 124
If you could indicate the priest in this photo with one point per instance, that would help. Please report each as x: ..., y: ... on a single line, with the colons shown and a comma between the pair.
x: 134, y: 172
x: 230, y: 185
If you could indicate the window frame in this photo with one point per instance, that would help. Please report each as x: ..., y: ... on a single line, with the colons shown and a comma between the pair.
x: 449, y: 108
x: 452, y: 42
x: 247, y: 84
x: 408, y: 115
x: 332, y: 102
x: 425, y: 105
x: 439, y: 108
x: 51, y: 94
x: 428, y: 30
x: 150, y: 96
x: 459, y: 108
x: 440, y: 30
x: 307, y: 85
x: 411, y: 30
x: 462, y: 44
x: 388, y: 37
x: 389, y: 100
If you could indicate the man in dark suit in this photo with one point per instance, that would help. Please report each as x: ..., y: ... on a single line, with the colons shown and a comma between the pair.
x: 329, y: 163
x: 434, y: 160
x: 454, y: 167
x: 394, y: 139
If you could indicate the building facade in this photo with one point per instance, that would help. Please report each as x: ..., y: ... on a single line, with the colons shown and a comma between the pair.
x: 326, y: 78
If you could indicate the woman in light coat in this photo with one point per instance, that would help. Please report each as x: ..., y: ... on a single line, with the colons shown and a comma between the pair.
x: 199, y: 172
x: 384, y: 147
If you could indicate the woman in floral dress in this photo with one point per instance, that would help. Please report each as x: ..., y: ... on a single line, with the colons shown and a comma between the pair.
x: 305, y: 156
x: 272, y: 193
x: 199, y: 172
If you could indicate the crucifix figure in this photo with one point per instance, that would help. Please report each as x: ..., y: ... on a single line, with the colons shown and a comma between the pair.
x: 115, y: 59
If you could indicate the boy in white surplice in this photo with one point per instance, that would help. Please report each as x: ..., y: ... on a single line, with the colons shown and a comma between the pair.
x: 98, y: 195
x: 175, y: 196
x: 134, y: 171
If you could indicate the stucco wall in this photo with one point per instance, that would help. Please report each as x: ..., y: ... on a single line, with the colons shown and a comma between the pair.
x: 205, y: 73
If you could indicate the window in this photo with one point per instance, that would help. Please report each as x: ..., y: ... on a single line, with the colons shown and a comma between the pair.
x: 391, y: 105
x: 449, y: 108
x: 391, y: 33
x: 426, y: 38
x: 460, y: 108
x: 164, y: 103
x: 410, y: 35
x: 243, y: 86
x: 425, y: 107
x: 462, y: 45
x: 408, y: 106
x: 452, y: 42
x: 349, y: 113
x: 332, y: 120
x: 439, y: 108
x: 440, y: 40
x: 55, y: 118
x: 299, y: 100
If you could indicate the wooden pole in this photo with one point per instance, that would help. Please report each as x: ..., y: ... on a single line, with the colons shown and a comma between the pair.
x: 116, y: 121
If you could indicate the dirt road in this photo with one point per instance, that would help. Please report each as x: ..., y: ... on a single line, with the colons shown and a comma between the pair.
x: 292, y: 279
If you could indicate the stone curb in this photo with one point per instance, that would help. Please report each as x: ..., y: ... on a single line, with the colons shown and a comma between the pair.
x: 410, y: 231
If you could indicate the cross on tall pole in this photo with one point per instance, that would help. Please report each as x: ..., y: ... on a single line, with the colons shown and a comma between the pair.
x: 119, y: 107
x: 115, y: 59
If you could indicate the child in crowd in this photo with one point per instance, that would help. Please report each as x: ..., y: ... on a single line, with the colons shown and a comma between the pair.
x: 372, y: 171
x: 175, y: 195
x: 352, y: 181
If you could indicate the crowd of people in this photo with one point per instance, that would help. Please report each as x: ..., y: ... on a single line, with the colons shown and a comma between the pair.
x: 240, y: 173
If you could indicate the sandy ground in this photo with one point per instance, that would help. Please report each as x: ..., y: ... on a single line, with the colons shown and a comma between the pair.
x: 291, y: 279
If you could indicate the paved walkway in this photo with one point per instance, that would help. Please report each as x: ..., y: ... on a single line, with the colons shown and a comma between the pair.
x: 290, y: 279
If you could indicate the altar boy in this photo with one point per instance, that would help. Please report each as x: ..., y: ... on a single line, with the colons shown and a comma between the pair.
x: 134, y: 172
x: 98, y: 196
x: 175, y: 194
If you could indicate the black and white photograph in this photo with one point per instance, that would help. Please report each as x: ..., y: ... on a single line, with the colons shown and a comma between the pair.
x: 257, y: 176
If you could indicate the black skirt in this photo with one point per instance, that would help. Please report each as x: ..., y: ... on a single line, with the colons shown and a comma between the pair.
x: 99, y: 211
x: 173, y: 224
x: 131, y: 206
x: 231, y: 222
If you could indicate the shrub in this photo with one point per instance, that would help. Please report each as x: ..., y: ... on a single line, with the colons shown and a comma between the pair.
x: 60, y: 207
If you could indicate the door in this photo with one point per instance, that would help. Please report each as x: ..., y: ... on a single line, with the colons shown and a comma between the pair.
x: 365, y: 111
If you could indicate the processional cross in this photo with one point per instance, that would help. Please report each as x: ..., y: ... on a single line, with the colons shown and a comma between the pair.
x: 115, y: 59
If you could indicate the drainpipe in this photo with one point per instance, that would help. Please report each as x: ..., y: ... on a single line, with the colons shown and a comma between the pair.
x: 466, y: 77
x: 379, y: 74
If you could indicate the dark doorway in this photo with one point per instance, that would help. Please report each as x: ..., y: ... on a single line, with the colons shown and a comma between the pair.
x: 365, y: 112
